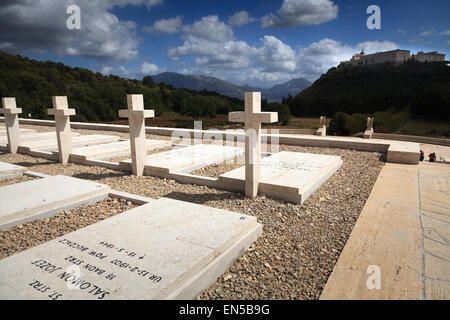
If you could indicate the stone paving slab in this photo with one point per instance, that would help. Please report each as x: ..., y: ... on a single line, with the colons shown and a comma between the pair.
x: 52, y: 144
x: 31, y: 200
x: 404, y: 230
x: 166, y: 249
x: 8, y: 170
x: 387, y: 236
x: 434, y: 182
x: 114, y: 149
x: 187, y: 157
x: 292, y: 176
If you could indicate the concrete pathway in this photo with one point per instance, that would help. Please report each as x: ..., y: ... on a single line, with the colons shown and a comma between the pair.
x: 400, y: 245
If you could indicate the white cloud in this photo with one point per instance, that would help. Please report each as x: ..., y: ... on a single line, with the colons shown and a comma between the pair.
x: 210, y: 28
x: 401, y: 32
x: 319, y: 56
x: 376, y: 46
x: 426, y: 33
x: 240, y: 18
x: 448, y: 42
x: 275, y: 56
x: 149, y: 69
x: 445, y: 33
x: 40, y: 26
x: 166, y: 26
x: 301, y: 12
x: 211, y: 42
x: 145, y: 69
x: 227, y: 54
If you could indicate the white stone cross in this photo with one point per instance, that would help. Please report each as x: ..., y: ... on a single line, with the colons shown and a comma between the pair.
x: 12, y: 122
x: 62, y: 113
x: 136, y: 115
x: 252, y: 117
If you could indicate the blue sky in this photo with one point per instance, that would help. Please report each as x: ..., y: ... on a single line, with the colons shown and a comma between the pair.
x: 260, y: 43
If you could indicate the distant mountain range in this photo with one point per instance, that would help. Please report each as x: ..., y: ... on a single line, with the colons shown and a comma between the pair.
x: 197, y: 82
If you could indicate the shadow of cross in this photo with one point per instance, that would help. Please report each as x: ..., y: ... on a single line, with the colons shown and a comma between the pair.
x: 12, y: 123
x: 252, y: 117
x: 62, y: 115
x: 136, y: 115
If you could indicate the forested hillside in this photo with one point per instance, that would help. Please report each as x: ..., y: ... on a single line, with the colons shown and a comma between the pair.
x: 421, y: 89
x: 97, y: 97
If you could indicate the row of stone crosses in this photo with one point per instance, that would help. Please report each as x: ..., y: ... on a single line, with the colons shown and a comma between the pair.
x: 252, y: 117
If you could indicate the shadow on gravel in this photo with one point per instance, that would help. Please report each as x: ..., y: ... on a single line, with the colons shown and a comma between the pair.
x: 33, y: 164
x: 201, y: 198
x: 98, y: 176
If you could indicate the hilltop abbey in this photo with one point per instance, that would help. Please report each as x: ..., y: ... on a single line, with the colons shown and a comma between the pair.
x: 394, y: 57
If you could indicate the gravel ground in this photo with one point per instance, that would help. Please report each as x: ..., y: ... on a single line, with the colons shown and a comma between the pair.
x: 216, y: 169
x: 31, y: 234
x: 300, y: 243
x: 14, y: 180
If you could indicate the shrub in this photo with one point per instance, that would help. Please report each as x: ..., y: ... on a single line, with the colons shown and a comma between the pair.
x: 343, y: 124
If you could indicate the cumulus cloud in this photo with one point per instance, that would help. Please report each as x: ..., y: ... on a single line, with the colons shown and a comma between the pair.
x: 376, y: 46
x: 227, y: 54
x: 165, y: 26
x: 210, y: 28
x: 319, y: 56
x: 426, y: 33
x: 145, y: 69
x: 401, y: 32
x: 275, y: 56
x: 301, y: 12
x: 240, y: 18
x: 268, y: 62
x: 211, y: 42
x: 40, y: 25
x: 445, y: 33
x: 149, y: 69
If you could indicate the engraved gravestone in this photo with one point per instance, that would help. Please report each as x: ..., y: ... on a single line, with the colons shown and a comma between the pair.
x: 166, y: 249
x: 291, y: 176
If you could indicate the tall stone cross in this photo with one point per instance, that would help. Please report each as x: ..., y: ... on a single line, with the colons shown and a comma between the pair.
x: 252, y: 117
x: 62, y: 113
x: 12, y: 122
x: 136, y: 115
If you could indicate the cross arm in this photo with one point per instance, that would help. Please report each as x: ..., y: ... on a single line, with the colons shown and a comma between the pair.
x: 61, y: 112
x: 125, y: 113
x: 237, y: 116
x: 11, y: 110
x: 266, y: 117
